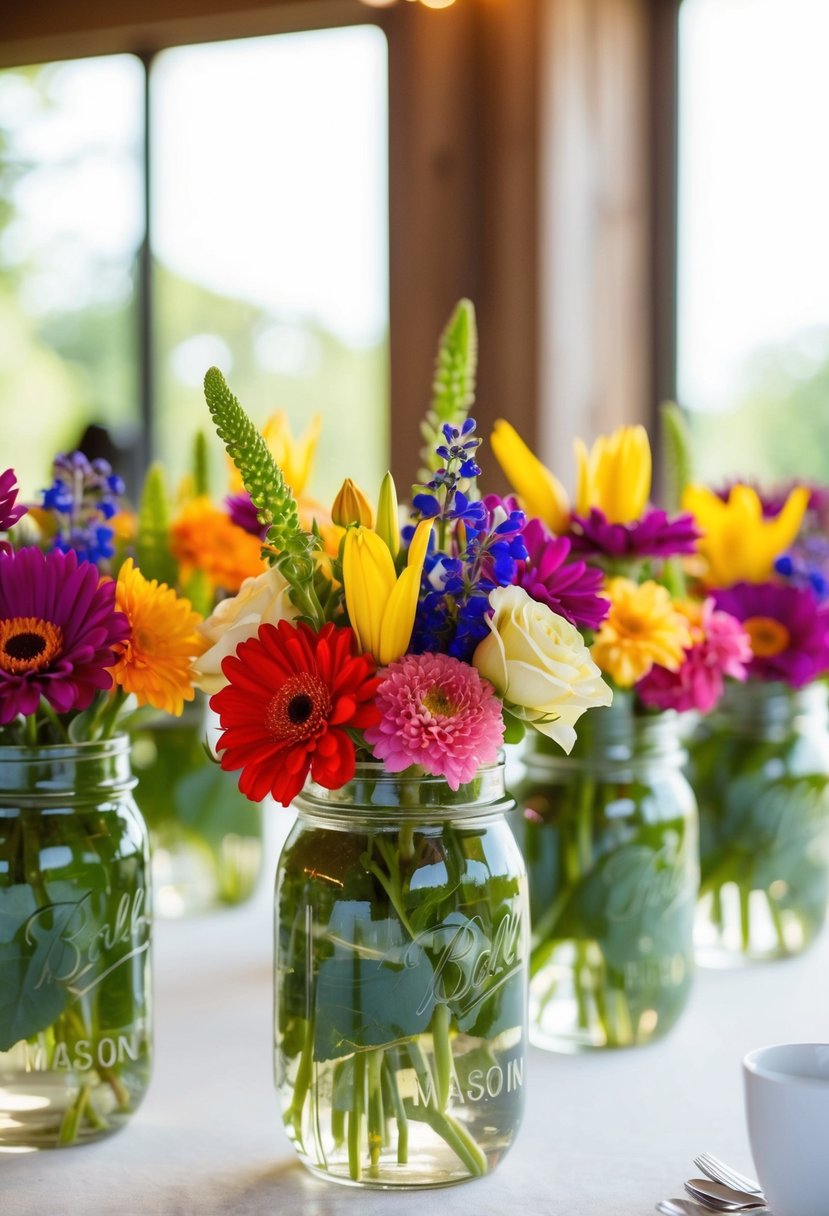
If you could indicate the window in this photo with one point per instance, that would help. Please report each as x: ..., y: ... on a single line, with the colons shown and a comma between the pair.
x: 268, y: 233
x: 753, y: 247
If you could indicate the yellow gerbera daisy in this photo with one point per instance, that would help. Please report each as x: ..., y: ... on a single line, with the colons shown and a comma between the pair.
x: 205, y: 538
x: 641, y: 630
x: 154, y: 662
x: 739, y: 544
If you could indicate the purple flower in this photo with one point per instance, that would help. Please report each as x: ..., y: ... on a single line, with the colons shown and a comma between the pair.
x: 9, y: 512
x: 244, y: 514
x: 654, y: 535
x: 58, y: 626
x: 788, y: 630
x: 571, y: 589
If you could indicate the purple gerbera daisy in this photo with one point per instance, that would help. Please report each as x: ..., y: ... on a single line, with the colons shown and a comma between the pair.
x: 58, y: 625
x: 10, y: 510
x: 571, y: 589
x: 654, y: 535
x: 788, y: 630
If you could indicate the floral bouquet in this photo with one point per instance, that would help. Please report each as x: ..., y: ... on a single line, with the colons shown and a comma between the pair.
x: 610, y: 833
x: 375, y: 687
x: 79, y: 654
x: 765, y: 830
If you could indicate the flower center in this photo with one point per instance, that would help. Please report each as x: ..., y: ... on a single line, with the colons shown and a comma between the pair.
x: 28, y: 644
x: 299, y: 708
x: 437, y: 703
x: 767, y: 636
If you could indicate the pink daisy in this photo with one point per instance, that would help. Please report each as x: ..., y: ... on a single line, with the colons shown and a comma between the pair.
x: 439, y: 713
x: 721, y: 648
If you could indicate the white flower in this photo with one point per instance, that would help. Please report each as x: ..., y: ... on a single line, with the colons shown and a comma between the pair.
x: 260, y: 600
x: 539, y: 665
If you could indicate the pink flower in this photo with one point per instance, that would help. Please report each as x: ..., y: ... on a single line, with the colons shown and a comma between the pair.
x: 439, y: 713
x: 721, y: 648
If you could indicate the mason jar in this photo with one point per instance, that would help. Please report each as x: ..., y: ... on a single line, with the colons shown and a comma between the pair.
x: 760, y: 769
x: 75, y: 1017
x: 609, y: 835
x: 207, y: 838
x: 402, y: 934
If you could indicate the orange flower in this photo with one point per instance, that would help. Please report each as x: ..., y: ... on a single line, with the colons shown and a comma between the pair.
x: 205, y: 538
x: 154, y: 662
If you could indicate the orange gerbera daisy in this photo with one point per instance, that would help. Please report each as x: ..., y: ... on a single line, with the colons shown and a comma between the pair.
x: 205, y: 538
x: 154, y: 661
x: 642, y: 628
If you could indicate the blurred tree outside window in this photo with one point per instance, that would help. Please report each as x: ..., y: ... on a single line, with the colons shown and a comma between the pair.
x: 753, y: 328
x: 268, y: 239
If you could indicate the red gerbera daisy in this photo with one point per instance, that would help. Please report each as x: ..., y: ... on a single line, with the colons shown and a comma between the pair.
x: 292, y: 697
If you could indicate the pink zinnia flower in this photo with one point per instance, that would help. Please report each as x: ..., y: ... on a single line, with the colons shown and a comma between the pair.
x: 10, y: 510
x: 439, y: 713
x: 721, y: 648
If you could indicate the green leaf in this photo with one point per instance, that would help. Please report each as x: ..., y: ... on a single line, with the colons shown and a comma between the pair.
x: 201, y: 465
x: 676, y: 455
x: 152, y: 546
x: 260, y: 473
x: 453, y: 387
x: 514, y: 729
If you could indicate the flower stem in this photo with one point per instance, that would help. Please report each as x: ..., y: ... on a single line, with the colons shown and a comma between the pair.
x: 71, y: 1120
x: 375, y: 1110
x: 745, y: 922
x: 443, y: 1053
x: 399, y: 1114
x: 355, y: 1118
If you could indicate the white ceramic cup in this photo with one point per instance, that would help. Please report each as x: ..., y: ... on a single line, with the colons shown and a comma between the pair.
x: 787, y: 1104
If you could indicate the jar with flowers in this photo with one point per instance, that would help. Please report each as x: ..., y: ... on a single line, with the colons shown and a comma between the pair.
x: 371, y: 703
x: 760, y: 764
x: 609, y: 829
x: 78, y: 655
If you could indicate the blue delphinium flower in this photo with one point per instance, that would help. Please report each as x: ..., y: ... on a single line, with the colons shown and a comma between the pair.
x: 82, y: 498
x: 807, y: 565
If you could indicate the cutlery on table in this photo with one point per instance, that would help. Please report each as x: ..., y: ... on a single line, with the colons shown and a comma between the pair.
x: 723, y: 1198
x: 718, y: 1171
x: 680, y: 1207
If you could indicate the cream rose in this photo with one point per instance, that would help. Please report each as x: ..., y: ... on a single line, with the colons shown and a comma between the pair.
x: 260, y: 600
x: 539, y: 664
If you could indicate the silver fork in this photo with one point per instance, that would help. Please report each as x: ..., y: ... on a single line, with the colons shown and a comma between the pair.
x: 718, y: 1171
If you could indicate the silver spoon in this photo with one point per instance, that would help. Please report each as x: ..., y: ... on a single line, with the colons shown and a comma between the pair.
x: 680, y: 1207
x: 724, y: 1198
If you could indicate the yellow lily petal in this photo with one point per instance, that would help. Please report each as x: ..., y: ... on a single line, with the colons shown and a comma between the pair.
x: 398, y: 619
x: 368, y: 579
x: 388, y: 520
x: 615, y: 475
x: 739, y: 544
x: 351, y: 506
x: 541, y: 493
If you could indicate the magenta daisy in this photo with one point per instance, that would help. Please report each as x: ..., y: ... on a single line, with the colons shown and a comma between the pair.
x: 721, y: 649
x: 654, y: 535
x: 58, y: 626
x: 438, y: 713
x: 10, y: 510
x: 788, y: 629
x: 569, y: 588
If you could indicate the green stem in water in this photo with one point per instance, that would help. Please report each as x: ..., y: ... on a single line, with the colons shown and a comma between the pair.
x: 68, y: 1133
x: 355, y: 1118
x: 375, y: 1110
x: 777, y: 921
x: 304, y: 1071
x: 399, y: 1114
x: 443, y: 1053
x: 745, y: 921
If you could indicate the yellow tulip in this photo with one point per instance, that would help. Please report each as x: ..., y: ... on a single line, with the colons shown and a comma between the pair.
x: 294, y: 456
x: 381, y: 606
x: 541, y: 493
x: 388, y: 519
x: 739, y: 544
x: 351, y: 506
x: 615, y: 475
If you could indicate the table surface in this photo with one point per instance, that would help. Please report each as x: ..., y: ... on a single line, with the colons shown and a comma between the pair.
x: 605, y: 1134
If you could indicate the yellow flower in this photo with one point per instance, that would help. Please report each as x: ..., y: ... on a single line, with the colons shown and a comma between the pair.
x: 641, y: 630
x: 204, y: 538
x: 295, y: 457
x: 739, y: 545
x: 154, y: 662
x: 615, y: 475
x: 381, y: 606
x: 538, y: 663
x: 541, y: 493
x: 351, y: 506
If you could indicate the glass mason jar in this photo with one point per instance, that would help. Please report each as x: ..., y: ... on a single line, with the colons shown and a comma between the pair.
x: 75, y: 1027
x: 609, y: 835
x: 206, y: 837
x: 760, y: 769
x: 402, y: 934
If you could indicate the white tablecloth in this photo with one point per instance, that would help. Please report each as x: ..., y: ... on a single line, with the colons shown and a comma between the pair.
x: 605, y: 1134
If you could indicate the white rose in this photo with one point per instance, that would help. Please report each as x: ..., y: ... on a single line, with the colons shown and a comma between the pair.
x: 260, y: 600
x: 539, y: 665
